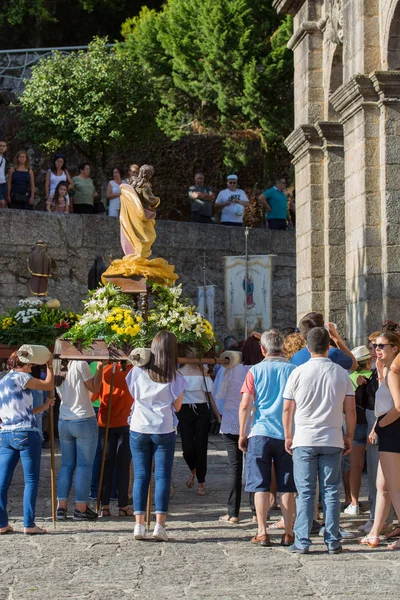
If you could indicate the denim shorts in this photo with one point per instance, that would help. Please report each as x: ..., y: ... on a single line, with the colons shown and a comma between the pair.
x: 261, y: 451
x: 360, y: 435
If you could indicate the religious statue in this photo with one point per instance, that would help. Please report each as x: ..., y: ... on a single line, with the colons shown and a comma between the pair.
x: 137, y: 222
x: 39, y: 266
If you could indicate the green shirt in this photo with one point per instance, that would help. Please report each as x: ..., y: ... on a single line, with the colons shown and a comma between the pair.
x: 278, y: 203
x: 356, y: 374
x: 93, y: 368
x: 84, y: 190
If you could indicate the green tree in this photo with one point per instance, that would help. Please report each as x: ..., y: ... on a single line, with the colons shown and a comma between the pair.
x: 89, y: 100
x: 217, y: 67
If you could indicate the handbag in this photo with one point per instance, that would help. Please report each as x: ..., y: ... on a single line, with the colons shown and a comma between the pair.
x: 214, y: 423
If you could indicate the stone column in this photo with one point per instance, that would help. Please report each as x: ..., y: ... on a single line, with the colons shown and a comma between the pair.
x: 305, y: 145
x: 356, y: 101
x: 331, y: 135
x: 387, y: 84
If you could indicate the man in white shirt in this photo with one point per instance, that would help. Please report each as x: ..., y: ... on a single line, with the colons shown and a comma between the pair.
x: 3, y: 180
x: 316, y: 395
x: 232, y: 201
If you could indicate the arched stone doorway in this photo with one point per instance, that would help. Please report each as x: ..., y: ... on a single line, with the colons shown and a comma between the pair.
x: 393, y: 39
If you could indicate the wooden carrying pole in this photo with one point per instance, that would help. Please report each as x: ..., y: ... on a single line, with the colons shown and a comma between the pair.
x: 149, y: 499
x: 103, y: 456
x: 52, y: 466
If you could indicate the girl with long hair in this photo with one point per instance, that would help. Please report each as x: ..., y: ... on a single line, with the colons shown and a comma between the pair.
x: 387, y: 434
x: 157, y: 389
x: 21, y: 183
x: 59, y: 203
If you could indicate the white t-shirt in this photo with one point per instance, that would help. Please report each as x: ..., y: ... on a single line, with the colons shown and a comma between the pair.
x: 195, y: 392
x: 230, y: 391
x: 75, y: 397
x: 152, y: 410
x: 234, y: 212
x: 318, y: 388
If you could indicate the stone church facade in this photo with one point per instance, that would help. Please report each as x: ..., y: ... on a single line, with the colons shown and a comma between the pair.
x: 346, y: 154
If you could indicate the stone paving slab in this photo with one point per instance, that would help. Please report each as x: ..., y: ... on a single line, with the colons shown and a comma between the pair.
x: 203, y: 559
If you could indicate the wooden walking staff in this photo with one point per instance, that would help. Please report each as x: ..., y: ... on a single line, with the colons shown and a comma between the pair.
x: 103, y: 456
x: 149, y: 498
x: 52, y: 466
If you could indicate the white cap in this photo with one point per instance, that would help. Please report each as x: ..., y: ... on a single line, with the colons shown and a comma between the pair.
x: 235, y: 177
x: 361, y: 353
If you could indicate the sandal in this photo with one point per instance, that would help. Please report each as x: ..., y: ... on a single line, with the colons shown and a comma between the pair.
x: 201, y: 491
x: 126, y: 512
x: 395, y: 546
x: 370, y: 541
x: 278, y: 525
x: 105, y: 512
x: 394, y: 533
x: 35, y: 530
x: 190, y: 480
x: 6, y: 529
x: 228, y: 519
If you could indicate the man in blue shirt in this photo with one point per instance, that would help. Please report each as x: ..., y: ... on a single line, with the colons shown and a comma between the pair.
x: 338, y: 352
x: 276, y: 204
x: 263, y: 388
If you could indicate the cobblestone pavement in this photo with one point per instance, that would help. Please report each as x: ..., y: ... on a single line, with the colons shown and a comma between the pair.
x: 203, y: 559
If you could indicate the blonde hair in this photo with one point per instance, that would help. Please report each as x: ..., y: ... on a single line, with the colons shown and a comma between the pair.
x: 27, y: 162
x: 293, y: 343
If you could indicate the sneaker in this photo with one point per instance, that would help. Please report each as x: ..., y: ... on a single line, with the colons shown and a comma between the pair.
x: 88, y: 515
x: 346, y: 535
x: 160, y: 534
x: 352, y: 509
x: 337, y: 550
x: 366, y: 528
x: 140, y: 532
x: 293, y: 549
x: 61, y: 514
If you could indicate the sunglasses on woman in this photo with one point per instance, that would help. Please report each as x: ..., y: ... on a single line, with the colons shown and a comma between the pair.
x: 381, y: 346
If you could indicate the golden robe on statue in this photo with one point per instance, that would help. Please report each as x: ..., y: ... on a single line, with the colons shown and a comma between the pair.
x: 137, y: 220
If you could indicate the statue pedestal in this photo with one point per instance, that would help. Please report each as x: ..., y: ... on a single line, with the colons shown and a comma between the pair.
x: 129, y: 285
x: 134, y: 285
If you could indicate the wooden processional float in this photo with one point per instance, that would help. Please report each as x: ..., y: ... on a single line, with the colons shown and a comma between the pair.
x: 64, y: 351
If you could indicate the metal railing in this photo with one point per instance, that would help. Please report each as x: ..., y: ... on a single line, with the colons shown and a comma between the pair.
x: 15, y: 65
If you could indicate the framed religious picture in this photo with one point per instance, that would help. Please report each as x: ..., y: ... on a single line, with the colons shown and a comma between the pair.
x: 248, y: 300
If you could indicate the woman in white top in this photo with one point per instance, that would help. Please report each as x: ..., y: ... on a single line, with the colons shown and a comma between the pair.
x: 194, y: 423
x: 229, y: 390
x: 157, y: 390
x: 113, y: 193
x: 77, y: 428
x: 387, y: 433
x: 57, y: 173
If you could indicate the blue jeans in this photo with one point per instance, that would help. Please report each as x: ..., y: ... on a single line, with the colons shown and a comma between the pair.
x: 27, y: 446
x: 324, y: 463
x: 143, y: 447
x: 78, y: 442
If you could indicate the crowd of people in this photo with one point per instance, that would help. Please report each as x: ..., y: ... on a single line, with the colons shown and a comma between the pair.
x: 295, y: 407
x: 66, y: 194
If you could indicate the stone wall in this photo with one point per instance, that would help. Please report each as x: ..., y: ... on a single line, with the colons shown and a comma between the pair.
x: 75, y: 240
